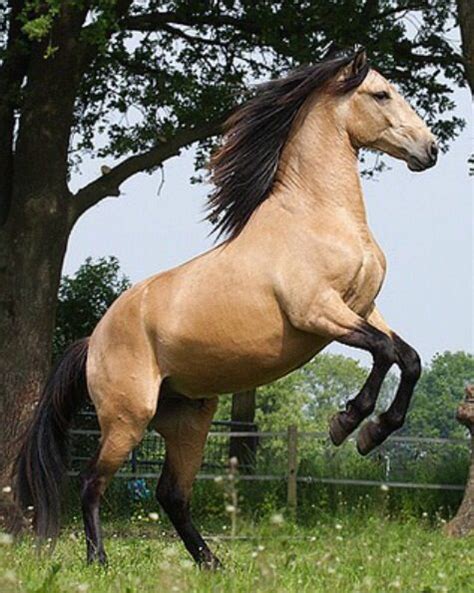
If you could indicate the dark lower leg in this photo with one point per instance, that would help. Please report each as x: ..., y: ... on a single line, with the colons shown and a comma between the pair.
x: 90, y: 500
x: 357, y: 409
x: 176, y: 506
x: 375, y: 432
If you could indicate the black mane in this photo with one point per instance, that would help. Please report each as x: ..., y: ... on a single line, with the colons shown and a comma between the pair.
x: 244, y: 168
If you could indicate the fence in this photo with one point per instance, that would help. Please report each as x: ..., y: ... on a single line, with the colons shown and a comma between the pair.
x: 304, y: 457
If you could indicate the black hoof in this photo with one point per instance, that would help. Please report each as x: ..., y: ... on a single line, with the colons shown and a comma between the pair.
x: 337, y: 432
x: 370, y: 436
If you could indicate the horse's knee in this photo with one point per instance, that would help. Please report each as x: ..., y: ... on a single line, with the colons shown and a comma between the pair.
x: 396, y: 421
x: 412, y: 365
x: 410, y: 362
x: 384, y: 351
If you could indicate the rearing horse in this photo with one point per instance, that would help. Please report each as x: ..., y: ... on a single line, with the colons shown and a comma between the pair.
x: 299, y: 270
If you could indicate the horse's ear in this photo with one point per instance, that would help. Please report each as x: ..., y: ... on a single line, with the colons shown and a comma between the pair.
x: 359, y: 62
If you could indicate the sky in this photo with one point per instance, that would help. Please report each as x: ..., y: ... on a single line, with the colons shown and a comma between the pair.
x: 423, y: 222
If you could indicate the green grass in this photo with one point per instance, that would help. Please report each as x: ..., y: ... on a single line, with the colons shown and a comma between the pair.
x: 349, y: 554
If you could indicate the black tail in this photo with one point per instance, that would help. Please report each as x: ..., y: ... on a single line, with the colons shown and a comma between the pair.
x: 41, y: 465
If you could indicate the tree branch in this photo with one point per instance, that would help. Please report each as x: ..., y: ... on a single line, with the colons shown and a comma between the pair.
x: 109, y: 183
x: 402, y: 7
x: 190, y: 38
x: 88, y: 48
x: 156, y: 20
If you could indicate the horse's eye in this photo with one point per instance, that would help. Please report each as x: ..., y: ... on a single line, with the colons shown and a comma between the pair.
x: 381, y: 96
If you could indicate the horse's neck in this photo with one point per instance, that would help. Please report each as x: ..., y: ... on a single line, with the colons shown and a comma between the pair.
x: 318, y: 171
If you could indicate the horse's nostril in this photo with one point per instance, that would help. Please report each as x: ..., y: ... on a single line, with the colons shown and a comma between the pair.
x: 433, y: 150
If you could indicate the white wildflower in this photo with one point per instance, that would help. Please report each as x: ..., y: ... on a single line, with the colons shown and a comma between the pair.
x: 153, y: 516
x: 384, y: 488
x: 230, y: 508
x: 277, y: 519
x: 6, y: 539
x: 6, y: 489
x: 9, y: 576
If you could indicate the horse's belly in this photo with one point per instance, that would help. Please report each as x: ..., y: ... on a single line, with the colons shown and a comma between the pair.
x: 208, y: 368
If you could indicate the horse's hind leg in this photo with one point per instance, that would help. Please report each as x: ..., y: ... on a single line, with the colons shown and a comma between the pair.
x: 122, y: 428
x: 184, y: 424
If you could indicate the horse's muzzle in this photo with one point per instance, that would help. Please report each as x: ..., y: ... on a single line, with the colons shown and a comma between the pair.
x: 418, y: 163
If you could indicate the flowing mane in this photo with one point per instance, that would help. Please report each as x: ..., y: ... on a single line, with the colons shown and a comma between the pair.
x: 244, y: 168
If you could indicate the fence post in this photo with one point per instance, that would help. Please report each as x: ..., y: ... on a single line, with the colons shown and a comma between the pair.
x: 292, y: 466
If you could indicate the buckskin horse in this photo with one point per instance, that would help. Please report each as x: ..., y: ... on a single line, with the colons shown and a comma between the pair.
x: 299, y: 268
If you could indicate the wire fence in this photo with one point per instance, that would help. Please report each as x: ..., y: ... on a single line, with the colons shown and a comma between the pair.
x: 301, y: 457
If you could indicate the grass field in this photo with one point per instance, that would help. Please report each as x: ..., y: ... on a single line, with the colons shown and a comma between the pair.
x: 351, y: 554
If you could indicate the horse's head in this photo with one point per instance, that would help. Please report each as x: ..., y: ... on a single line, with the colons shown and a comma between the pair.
x: 378, y: 117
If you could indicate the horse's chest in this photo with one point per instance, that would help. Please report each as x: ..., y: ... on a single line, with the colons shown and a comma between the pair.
x: 367, y: 282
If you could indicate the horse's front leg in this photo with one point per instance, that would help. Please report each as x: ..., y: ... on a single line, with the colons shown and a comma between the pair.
x: 374, y: 336
x: 360, y: 407
x: 374, y: 432
x: 329, y: 316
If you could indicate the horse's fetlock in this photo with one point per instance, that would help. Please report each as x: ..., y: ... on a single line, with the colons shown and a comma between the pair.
x: 392, y: 421
x: 367, y: 408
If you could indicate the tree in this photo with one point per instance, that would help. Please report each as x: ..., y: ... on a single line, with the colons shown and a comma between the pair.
x: 466, y: 24
x: 463, y: 523
x: 437, y: 396
x: 134, y: 83
x: 84, y: 298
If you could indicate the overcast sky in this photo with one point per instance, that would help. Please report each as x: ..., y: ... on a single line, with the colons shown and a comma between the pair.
x: 423, y: 222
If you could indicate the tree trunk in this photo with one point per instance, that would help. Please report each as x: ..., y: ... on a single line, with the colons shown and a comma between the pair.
x: 32, y: 247
x: 466, y: 23
x: 243, y: 415
x: 463, y: 522
x: 36, y: 218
